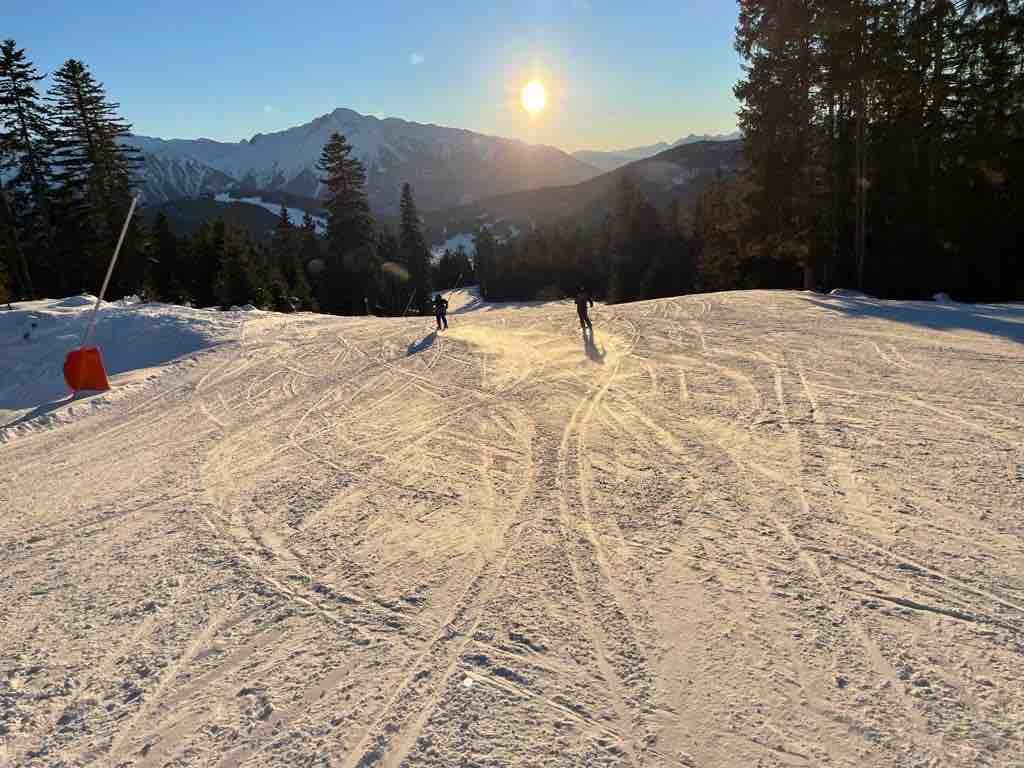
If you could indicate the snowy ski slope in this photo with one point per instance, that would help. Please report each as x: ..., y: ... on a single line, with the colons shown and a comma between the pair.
x: 295, y: 215
x: 740, y: 529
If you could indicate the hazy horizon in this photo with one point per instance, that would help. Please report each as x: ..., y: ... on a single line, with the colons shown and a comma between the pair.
x: 666, y: 141
x: 615, y: 79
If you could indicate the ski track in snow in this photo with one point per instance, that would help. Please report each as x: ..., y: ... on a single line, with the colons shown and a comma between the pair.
x: 731, y: 529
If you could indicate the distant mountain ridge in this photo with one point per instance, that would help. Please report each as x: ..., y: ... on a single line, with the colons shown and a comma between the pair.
x: 446, y: 166
x: 610, y: 160
x: 680, y: 173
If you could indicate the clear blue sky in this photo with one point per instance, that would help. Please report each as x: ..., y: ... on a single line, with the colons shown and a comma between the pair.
x: 619, y: 74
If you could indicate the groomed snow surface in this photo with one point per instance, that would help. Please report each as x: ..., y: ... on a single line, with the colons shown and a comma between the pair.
x: 138, y: 342
x: 759, y: 528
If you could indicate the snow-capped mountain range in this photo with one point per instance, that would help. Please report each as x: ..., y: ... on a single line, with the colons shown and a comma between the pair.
x: 446, y: 166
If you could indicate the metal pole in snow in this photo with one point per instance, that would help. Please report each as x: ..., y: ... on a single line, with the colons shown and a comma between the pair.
x: 110, y: 271
x: 409, y: 303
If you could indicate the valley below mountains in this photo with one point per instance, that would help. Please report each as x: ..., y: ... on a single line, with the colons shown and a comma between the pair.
x: 462, y: 180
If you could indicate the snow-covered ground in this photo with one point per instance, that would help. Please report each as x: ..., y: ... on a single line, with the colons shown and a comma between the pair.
x: 739, y: 529
x: 295, y: 215
x: 139, y: 342
x: 464, y: 240
x: 467, y: 241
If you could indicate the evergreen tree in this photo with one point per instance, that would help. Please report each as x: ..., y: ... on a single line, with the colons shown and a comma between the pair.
x: 9, y: 251
x: 344, y: 281
x: 777, y: 120
x: 237, y: 283
x: 24, y: 160
x: 93, y: 169
x: 10, y: 248
x: 5, y: 293
x: 284, y: 259
x: 446, y: 271
x: 638, y: 245
x: 134, y: 265
x: 484, y: 248
x: 883, y: 140
x: 414, y: 250
x: 463, y: 268
x: 206, y: 251
x: 394, y: 276
x: 724, y: 254
x: 284, y: 228
x: 167, y: 272
x: 309, y: 255
x: 288, y: 286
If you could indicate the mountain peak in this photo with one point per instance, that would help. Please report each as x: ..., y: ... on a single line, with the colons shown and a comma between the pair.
x: 447, y: 166
x: 693, y: 138
x: 346, y: 112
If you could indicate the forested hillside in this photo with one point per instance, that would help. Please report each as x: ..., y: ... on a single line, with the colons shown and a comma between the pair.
x: 883, y: 149
x: 68, y: 174
x: 885, y: 144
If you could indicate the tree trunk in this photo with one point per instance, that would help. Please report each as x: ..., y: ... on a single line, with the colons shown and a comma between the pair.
x: 24, y: 277
x: 808, y: 277
x: 861, y: 182
x: 860, y: 189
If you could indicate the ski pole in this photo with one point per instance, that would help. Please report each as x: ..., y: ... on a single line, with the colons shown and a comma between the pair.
x: 110, y: 271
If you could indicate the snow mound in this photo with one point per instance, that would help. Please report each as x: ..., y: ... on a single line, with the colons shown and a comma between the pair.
x: 942, y: 298
x: 137, y: 342
x: 73, y: 302
x: 847, y: 293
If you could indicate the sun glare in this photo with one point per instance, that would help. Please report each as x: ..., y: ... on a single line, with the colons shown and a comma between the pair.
x: 534, y: 97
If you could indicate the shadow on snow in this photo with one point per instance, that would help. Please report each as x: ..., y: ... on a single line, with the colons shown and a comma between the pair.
x: 1005, y: 320
x: 33, y: 345
x: 593, y: 352
x: 423, y: 344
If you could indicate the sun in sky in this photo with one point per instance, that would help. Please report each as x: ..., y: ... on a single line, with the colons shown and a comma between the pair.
x: 534, y: 97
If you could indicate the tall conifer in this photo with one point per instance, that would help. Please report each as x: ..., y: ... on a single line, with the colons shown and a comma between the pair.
x: 94, y: 167
x: 24, y: 161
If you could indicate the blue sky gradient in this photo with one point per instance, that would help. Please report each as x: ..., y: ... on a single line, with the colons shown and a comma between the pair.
x: 619, y: 74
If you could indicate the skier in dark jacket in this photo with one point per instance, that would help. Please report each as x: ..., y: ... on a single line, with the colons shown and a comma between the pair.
x: 582, y: 301
x: 441, y: 311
